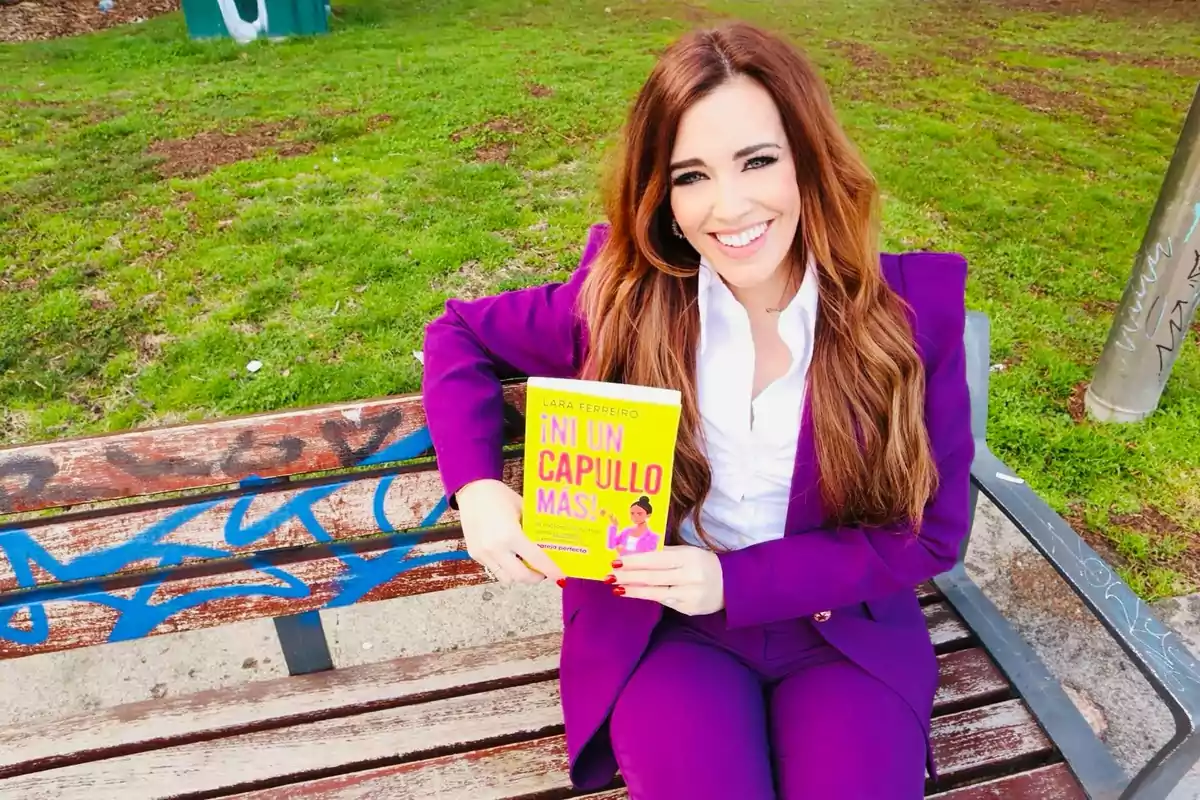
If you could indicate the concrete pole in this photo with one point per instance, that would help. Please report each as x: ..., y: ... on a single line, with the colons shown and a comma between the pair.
x: 1160, y: 300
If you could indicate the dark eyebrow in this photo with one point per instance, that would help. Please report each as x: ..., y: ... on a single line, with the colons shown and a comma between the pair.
x: 745, y: 151
x: 752, y: 149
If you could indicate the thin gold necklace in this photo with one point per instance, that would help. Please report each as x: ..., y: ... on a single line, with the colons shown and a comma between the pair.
x: 779, y: 310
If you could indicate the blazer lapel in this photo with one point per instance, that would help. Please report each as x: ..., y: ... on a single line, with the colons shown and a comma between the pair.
x: 805, y: 509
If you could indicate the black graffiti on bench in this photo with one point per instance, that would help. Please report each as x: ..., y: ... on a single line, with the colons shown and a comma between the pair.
x: 337, y: 433
x: 151, y: 466
x: 237, y: 460
x: 246, y: 455
x: 38, y: 472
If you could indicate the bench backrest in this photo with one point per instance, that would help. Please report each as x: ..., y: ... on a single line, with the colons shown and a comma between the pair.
x: 154, y: 531
x: 134, y: 534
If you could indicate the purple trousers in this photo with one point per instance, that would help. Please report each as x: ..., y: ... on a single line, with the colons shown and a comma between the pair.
x: 760, y: 713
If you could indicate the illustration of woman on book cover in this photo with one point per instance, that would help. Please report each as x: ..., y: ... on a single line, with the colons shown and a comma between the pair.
x: 638, y: 538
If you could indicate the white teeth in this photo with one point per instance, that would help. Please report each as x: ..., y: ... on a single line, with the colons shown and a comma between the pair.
x: 744, y: 238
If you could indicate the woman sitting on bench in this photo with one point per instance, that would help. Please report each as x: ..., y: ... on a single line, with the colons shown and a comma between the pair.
x: 775, y: 647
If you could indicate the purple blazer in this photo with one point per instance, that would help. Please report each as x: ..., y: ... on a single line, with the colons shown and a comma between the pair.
x: 813, y: 568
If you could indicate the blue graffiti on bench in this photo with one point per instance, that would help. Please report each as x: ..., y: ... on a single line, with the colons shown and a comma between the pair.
x: 137, y: 616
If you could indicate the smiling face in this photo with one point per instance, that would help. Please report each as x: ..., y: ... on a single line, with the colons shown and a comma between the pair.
x: 637, y: 515
x: 733, y: 184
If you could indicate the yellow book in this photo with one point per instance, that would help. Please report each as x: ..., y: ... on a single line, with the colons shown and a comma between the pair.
x: 598, y: 464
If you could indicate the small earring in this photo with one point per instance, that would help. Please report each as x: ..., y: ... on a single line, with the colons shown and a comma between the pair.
x: 675, y: 229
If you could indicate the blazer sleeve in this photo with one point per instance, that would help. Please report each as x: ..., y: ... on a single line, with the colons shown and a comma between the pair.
x: 477, y: 343
x: 827, y: 568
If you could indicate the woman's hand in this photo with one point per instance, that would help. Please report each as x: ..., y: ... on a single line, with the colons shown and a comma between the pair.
x: 491, y: 523
x: 685, y: 578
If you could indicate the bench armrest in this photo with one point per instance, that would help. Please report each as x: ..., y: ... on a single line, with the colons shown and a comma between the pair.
x: 1157, y: 650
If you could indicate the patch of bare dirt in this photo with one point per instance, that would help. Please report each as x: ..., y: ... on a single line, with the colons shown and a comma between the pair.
x: 1181, y: 65
x: 379, y: 121
x: 972, y: 49
x: 494, y: 153
x: 1177, y: 10
x: 919, y: 68
x: 30, y: 20
x: 204, y: 152
x: 14, y: 427
x: 538, y: 90
x: 863, y: 56
x: 878, y: 75
x: 650, y: 10
x: 1096, y: 540
x: 1155, y: 525
x: 1050, y: 101
x: 1098, y: 308
x: 501, y: 125
x: 1149, y: 521
x: 1075, y: 403
x: 496, y: 134
x: 98, y: 299
x: 150, y: 347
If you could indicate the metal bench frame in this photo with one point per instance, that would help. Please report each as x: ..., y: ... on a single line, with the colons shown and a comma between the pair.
x: 1157, y: 651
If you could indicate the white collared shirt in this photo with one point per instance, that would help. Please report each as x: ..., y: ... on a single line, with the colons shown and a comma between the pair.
x: 752, y: 461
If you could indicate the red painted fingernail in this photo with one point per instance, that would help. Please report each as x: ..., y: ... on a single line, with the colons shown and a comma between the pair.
x: 618, y: 590
x: 562, y: 583
x: 611, y: 579
x: 617, y: 564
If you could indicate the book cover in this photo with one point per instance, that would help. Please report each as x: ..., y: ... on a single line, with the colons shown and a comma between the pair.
x: 598, y: 464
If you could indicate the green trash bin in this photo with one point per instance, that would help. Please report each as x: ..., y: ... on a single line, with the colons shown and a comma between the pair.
x: 246, y: 20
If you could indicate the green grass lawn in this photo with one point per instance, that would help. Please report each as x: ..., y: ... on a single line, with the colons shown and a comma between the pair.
x: 430, y: 149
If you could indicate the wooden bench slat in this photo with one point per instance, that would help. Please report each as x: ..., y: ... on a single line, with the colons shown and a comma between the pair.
x: 276, y: 586
x: 300, y: 751
x: 494, y: 773
x: 356, y: 736
x: 928, y: 592
x: 203, y: 454
x: 1044, y: 783
x: 519, y: 769
x: 946, y: 629
x: 1054, y: 782
x: 276, y: 702
x: 283, y: 583
x: 986, y: 738
x: 214, y: 453
x: 96, y: 546
x: 967, y: 677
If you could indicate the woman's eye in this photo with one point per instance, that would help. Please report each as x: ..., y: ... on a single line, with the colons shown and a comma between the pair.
x: 758, y: 162
x: 685, y: 178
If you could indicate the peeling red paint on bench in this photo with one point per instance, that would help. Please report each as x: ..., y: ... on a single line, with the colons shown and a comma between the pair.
x: 210, y: 453
x: 346, y: 507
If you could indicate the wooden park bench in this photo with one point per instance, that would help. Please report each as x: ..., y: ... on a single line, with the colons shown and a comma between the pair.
x: 281, y: 515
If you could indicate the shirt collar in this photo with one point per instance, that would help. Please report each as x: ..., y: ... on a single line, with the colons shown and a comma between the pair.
x: 796, y: 322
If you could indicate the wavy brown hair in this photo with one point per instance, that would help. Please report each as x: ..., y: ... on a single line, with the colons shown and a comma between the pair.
x: 866, y: 384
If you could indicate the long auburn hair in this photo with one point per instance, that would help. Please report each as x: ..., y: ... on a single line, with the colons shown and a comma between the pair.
x: 866, y: 384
